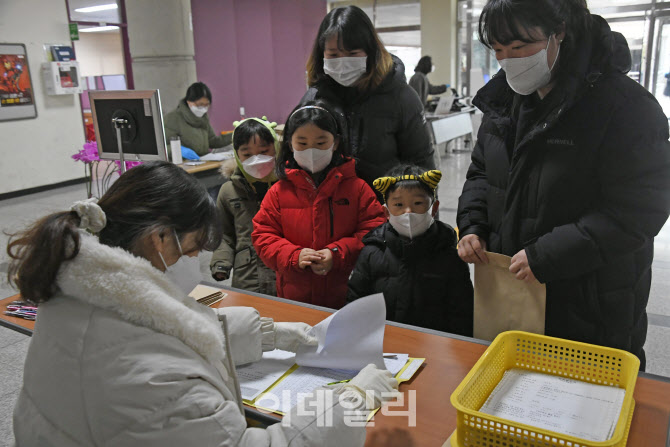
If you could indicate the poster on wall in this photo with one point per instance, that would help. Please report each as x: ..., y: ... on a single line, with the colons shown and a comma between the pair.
x: 17, y: 98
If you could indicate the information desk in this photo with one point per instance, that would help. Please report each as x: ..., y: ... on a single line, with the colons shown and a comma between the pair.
x: 448, y: 360
x: 207, y: 173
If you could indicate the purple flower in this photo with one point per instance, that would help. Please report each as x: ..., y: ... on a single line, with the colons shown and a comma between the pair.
x: 129, y: 164
x: 88, y: 154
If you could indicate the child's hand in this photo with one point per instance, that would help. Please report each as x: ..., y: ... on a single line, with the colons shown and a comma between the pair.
x: 323, y: 266
x: 307, y: 257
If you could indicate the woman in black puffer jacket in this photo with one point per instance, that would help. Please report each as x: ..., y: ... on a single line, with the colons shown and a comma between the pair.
x: 350, y: 68
x: 570, y: 175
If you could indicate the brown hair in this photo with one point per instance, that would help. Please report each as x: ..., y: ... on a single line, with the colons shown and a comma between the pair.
x: 354, y: 30
x: 152, y: 196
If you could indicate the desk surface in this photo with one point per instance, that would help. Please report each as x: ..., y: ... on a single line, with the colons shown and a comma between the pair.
x: 448, y: 360
x: 206, y: 166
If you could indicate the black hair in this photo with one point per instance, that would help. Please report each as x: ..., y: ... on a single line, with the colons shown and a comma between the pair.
x: 504, y: 21
x: 149, y: 197
x: 355, y: 31
x: 325, y: 118
x: 198, y: 90
x: 425, y: 65
x: 249, y: 129
x: 407, y: 169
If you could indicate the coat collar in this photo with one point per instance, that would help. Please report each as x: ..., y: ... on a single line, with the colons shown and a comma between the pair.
x: 113, y: 279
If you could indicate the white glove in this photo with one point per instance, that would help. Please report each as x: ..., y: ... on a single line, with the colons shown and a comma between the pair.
x: 376, y: 384
x: 289, y: 336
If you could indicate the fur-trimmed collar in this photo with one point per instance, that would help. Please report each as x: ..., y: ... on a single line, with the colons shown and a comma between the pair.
x: 113, y: 279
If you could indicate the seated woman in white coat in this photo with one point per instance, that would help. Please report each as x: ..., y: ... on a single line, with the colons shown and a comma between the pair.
x: 121, y: 356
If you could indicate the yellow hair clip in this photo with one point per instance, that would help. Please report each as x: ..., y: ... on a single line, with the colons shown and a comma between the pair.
x: 430, y: 178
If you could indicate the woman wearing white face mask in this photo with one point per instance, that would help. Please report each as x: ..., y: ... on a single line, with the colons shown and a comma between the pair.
x: 350, y: 68
x: 190, y: 122
x: 120, y: 354
x: 311, y: 222
x: 412, y: 258
x: 249, y: 176
x: 570, y: 173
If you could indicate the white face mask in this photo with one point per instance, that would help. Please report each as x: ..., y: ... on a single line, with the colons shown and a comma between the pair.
x: 432, y: 68
x: 185, y: 273
x: 411, y: 225
x: 345, y: 70
x: 527, y: 74
x: 259, y: 166
x: 198, y: 111
x: 313, y: 159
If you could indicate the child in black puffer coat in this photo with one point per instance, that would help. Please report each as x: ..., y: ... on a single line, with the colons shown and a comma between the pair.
x: 412, y: 258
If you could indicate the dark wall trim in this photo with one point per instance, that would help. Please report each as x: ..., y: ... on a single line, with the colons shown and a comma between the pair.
x: 25, y: 192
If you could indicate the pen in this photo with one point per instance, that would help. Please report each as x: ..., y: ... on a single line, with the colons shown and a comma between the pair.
x: 390, y: 356
x: 340, y: 381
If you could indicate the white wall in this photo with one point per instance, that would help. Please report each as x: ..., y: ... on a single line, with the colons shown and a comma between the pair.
x: 100, y: 53
x: 37, y: 152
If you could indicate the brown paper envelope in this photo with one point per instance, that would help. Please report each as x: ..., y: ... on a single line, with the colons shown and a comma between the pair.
x: 504, y: 303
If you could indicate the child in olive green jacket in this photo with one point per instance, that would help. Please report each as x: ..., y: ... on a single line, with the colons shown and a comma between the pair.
x: 251, y: 174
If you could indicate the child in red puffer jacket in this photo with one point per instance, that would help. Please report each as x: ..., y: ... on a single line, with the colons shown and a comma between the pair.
x: 311, y: 222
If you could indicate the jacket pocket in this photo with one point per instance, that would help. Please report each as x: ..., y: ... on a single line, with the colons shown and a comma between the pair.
x: 243, y: 258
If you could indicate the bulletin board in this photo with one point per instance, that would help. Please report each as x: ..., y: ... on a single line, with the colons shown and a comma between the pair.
x: 17, y: 97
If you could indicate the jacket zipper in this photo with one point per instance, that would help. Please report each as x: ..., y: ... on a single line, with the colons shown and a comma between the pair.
x: 332, y: 217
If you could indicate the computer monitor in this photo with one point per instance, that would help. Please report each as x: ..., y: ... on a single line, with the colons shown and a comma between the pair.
x: 142, y: 138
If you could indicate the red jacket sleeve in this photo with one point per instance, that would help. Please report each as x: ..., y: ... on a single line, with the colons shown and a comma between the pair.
x: 272, y: 247
x: 370, y: 216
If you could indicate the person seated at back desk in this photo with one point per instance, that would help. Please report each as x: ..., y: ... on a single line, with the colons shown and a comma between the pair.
x: 190, y: 122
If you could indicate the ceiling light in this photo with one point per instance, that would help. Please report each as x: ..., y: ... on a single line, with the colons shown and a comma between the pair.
x: 97, y: 29
x: 98, y: 8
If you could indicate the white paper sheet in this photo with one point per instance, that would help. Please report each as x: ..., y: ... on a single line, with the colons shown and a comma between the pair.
x: 351, y: 338
x: 257, y: 377
x: 395, y: 364
x: 217, y: 156
x: 411, y: 369
x: 571, y: 407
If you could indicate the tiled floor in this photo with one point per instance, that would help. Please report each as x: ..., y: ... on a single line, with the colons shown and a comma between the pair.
x: 19, y: 211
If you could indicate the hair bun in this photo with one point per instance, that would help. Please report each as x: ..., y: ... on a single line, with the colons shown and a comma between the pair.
x: 91, y: 216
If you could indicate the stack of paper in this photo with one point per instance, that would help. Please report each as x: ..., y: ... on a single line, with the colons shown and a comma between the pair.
x: 280, y: 382
x: 571, y: 407
x: 348, y: 340
x: 207, y: 295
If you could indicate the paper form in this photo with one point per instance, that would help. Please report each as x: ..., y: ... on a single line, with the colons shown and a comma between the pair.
x: 304, y: 380
x: 571, y: 407
x: 257, y: 377
x: 351, y: 338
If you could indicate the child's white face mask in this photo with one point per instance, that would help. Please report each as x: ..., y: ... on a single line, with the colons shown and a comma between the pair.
x: 314, y: 160
x: 259, y: 166
x: 412, y: 225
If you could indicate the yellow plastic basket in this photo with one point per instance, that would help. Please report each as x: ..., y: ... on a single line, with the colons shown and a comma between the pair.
x: 549, y: 355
